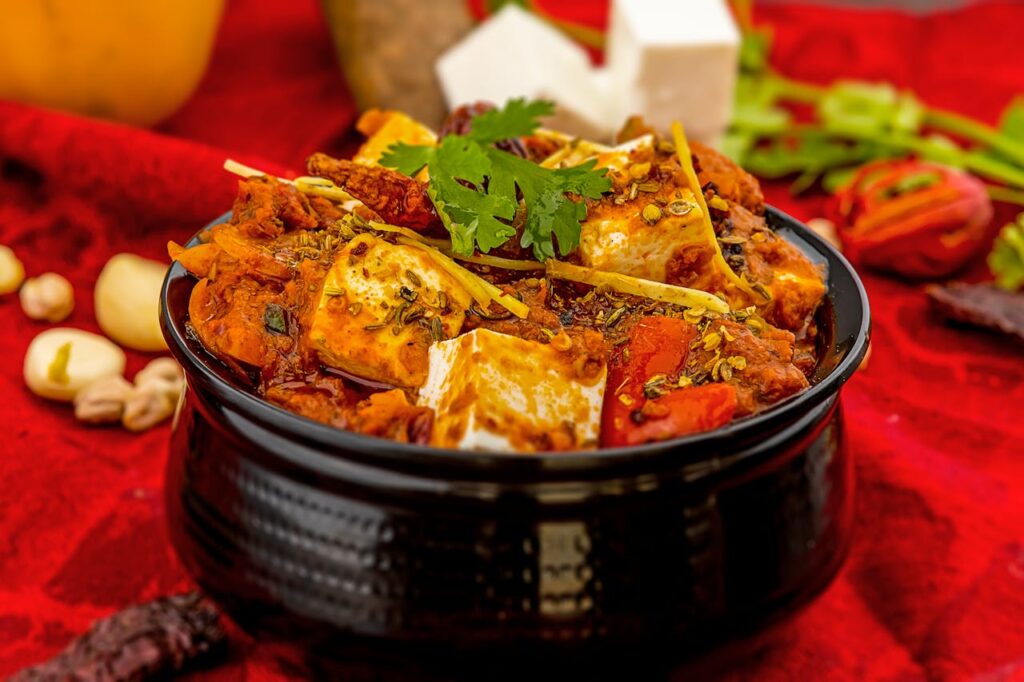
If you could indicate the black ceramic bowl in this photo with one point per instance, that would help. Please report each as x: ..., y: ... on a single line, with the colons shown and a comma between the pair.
x: 352, y: 548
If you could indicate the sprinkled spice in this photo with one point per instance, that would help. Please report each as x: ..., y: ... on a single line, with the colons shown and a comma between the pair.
x: 651, y: 214
x: 408, y: 294
x: 414, y: 313
x: 413, y: 278
x: 718, y: 203
x: 679, y: 207
x: 694, y: 315
x: 639, y: 170
x: 654, y: 387
x: 615, y: 317
x: 333, y: 291
x: 355, y: 308
x: 400, y: 313
x: 737, y: 362
x: 743, y: 314
x: 436, y: 330
x: 759, y: 288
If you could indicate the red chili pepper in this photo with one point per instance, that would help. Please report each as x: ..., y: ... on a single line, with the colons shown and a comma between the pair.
x: 912, y: 218
x: 656, y: 353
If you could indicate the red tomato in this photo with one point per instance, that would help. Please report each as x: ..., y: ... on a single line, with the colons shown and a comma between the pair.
x: 658, y: 345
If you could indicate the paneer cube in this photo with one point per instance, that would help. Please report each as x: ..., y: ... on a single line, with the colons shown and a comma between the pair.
x: 381, y: 306
x: 496, y: 392
x: 618, y: 236
x: 674, y: 61
x: 516, y: 54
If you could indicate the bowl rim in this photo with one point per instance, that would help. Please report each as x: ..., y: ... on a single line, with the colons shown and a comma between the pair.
x: 340, y: 442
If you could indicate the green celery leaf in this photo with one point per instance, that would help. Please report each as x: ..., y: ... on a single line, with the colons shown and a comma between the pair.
x: 1006, y: 261
x: 867, y: 108
x: 754, y: 50
x: 1011, y: 123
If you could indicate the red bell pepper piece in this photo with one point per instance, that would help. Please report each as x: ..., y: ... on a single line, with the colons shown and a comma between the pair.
x: 658, y: 347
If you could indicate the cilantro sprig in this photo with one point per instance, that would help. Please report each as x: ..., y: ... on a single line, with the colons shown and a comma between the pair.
x: 476, y: 187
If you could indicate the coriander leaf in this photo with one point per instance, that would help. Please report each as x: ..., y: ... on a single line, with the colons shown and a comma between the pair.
x: 517, y: 118
x: 476, y: 187
x: 407, y: 159
x: 549, y: 209
x: 1006, y: 261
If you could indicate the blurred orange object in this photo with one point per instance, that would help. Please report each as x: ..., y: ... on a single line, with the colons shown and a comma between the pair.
x: 129, y: 61
x: 913, y: 218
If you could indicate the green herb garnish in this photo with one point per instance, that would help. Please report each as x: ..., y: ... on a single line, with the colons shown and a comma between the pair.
x: 1007, y: 257
x: 274, y: 319
x: 476, y: 187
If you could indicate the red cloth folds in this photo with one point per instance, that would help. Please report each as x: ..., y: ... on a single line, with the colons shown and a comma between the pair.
x: 934, y: 588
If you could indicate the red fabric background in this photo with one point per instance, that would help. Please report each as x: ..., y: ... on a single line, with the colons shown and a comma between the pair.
x: 935, y: 584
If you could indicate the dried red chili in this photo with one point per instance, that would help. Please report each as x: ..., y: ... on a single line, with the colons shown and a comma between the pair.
x: 155, y: 640
x: 913, y: 218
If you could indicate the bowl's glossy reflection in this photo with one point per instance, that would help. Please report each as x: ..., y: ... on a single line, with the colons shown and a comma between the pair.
x: 355, y: 549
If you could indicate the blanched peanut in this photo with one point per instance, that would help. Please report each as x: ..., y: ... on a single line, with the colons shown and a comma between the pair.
x: 12, y: 272
x: 103, y: 401
x: 128, y: 301
x: 147, y: 406
x: 47, y: 297
x: 161, y: 369
x: 61, y: 361
x: 157, y: 388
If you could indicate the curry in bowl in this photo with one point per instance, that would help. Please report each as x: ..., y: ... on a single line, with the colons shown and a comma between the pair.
x: 498, y: 286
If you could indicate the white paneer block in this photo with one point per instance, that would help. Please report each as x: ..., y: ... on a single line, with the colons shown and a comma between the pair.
x: 491, y: 391
x: 515, y: 54
x: 674, y: 60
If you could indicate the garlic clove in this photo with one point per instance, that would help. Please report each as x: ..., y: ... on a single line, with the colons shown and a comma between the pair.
x: 60, y: 362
